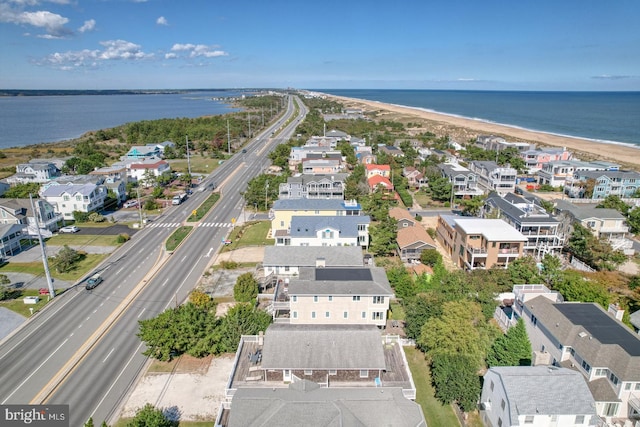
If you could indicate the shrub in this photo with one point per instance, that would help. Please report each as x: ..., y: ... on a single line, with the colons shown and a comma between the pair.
x: 122, y: 237
x: 229, y: 265
x: 246, y: 288
x: 96, y: 217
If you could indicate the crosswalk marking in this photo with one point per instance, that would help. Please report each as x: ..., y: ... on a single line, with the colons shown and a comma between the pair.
x: 178, y: 224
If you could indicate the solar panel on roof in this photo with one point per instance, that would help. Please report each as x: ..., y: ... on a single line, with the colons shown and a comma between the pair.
x: 601, y: 326
x: 344, y: 274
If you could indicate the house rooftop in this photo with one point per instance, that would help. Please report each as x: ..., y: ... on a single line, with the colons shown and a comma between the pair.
x: 535, y: 390
x: 494, y: 230
x: 410, y: 235
x: 581, y: 212
x: 308, y: 226
x: 290, y: 346
x: 341, y: 281
x: 306, y: 256
x: 314, y: 204
x: 306, y: 403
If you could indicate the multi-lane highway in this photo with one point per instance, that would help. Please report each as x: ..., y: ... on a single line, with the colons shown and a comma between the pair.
x: 82, y: 350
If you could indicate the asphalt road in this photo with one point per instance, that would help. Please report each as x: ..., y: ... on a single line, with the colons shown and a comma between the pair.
x: 83, y: 350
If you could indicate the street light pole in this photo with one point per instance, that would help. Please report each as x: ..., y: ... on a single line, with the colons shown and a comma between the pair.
x: 266, y: 203
x: 139, y: 206
x: 188, y: 160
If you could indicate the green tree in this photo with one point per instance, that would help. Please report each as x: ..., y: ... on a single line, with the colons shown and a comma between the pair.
x: 383, y: 237
x: 456, y: 380
x: 455, y: 331
x: 524, y: 270
x: 440, y: 189
x: 246, y: 288
x: 430, y: 257
x: 401, y: 282
x: 472, y: 206
x: 66, y: 259
x: 22, y: 191
x: 575, y: 287
x: 551, y: 267
x: 150, y: 416
x: 89, y: 423
x: 511, y: 349
x: 159, y: 335
x: 242, y: 319
x: 418, y: 310
x: 614, y: 202
x: 633, y: 220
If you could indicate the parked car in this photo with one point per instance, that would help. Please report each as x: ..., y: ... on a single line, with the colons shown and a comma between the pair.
x: 130, y: 204
x: 69, y: 229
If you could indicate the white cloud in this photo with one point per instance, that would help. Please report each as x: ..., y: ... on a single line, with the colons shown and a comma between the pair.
x: 114, y: 50
x: 170, y: 56
x: 52, y: 23
x: 89, y: 25
x: 613, y: 77
x: 199, y: 50
x: 162, y: 21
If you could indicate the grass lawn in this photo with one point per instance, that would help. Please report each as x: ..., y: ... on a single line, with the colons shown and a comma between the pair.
x: 199, y: 164
x: 178, y: 236
x: 204, y: 208
x: 88, y: 263
x: 83, y: 240
x: 250, y: 234
x: 397, y: 311
x: 435, y: 413
x: 421, y: 198
x: 17, y: 305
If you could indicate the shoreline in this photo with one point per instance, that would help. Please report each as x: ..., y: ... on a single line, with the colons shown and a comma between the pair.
x: 624, y: 153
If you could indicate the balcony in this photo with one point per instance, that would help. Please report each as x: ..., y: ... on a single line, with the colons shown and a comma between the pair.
x: 477, y: 251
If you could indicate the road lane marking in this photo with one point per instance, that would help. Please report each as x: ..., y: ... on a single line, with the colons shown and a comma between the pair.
x: 141, y: 250
x: 119, y: 271
x: 34, y: 371
x: 183, y: 259
x: 143, y: 309
x: 105, y: 359
x: 165, y: 282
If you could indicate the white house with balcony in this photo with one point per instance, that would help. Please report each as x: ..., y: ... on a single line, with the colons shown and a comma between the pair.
x: 326, y: 231
x: 465, y: 182
x: 590, y: 340
x: 538, y: 396
x: 493, y: 177
x: 19, y: 211
x: 69, y: 198
x: 34, y: 171
x: 346, y: 295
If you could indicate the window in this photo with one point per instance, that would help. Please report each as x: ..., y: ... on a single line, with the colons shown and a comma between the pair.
x: 308, y: 372
x: 586, y: 366
x: 579, y: 419
x: 327, y: 314
x: 313, y: 314
x: 492, y: 385
x: 502, y: 404
x: 610, y: 409
x: 364, y: 373
x: 315, y: 298
x: 613, y: 379
x: 330, y: 298
x: 345, y: 315
x: 356, y: 298
x: 295, y: 314
x: 601, y: 372
x: 377, y: 315
x: 637, y: 387
x: 627, y: 386
x: 378, y: 300
x: 294, y: 298
x: 499, y: 422
x: 591, y: 224
x: 364, y: 314
x: 528, y: 419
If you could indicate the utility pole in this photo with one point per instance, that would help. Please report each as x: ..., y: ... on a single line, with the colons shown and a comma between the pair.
x: 45, y: 262
x: 249, y: 120
x: 266, y: 188
x: 262, y: 109
x: 228, y: 138
x: 139, y: 205
x: 188, y: 160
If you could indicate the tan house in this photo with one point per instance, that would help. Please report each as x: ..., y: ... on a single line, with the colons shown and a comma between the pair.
x: 412, y: 241
x: 283, y: 210
x: 474, y: 243
x: 403, y: 217
x: 325, y: 295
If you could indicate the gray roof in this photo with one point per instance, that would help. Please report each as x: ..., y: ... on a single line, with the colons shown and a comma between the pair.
x: 306, y: 256
x: 311, y: 204
x: 609, y: 174
x: 322, y: 347
x: 59, y: 190
x: 594, y: 334
x: 306, y: 404
x: 308, y: 226
x: 307, y: 179
x: 6, y: 229
x: 533, y: 390
x: 516, y: 207
x: 341, y: 281
x: 581, y: 212
x: 634, y: 318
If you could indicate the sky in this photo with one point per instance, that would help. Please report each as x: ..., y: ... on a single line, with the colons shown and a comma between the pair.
x: 347, y: 44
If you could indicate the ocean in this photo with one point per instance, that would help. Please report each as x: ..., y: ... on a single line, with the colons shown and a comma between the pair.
x: 27, y: 120
x: 612, y: 117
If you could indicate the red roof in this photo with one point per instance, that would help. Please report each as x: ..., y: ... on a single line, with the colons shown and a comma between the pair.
x: 376, y: 180
x: 371, y: 167
x: 147, y: 165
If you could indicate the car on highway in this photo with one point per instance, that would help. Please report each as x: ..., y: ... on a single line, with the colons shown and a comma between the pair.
x: 69, y: 229
x: 244, y: 151
x: 93, y: 281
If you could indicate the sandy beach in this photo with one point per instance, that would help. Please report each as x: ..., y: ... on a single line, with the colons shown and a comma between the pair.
x: 463, y: 129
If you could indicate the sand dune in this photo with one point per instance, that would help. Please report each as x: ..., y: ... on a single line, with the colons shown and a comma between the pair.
x: 464, y: 129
